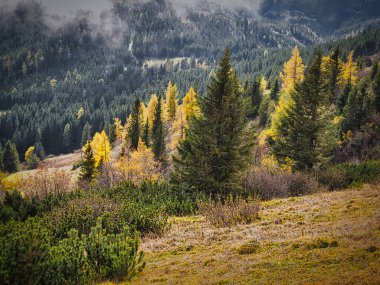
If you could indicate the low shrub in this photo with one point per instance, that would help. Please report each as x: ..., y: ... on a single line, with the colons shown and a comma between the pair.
x: 345, y: 174
x: 113, y: 256
x: 28, y: 255
x: 230, y: 212
x: 268, y: 185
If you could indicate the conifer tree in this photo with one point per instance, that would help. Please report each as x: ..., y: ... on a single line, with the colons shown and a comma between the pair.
x: 88, y: 168
x: 11, y: 160
x: 334, y: 70
x: 293, y: 71
x: 145, y: 134
x: 353, y: 112
x: 1, y: 158
x: 275, y: 91
x: 376, y: 91
x: 171, y: 101
x: 40, y: 151
x: 343, y: 96
x: 350, y: 69
x: 300, y: 136
x: 190, y: 104
x: 217, y: 148
x: 135, y: 127
x: 256, y: 95
x: 67, y: 138
x: 158, y: 139
x: 86, y: 134
x: 374, y: 70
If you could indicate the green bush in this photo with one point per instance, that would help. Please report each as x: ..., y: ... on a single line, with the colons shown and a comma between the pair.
x: 68, y: 262
x: 24, y: 252
x: 28, y: 255
x: 345, y: 174
x: 113, y: 256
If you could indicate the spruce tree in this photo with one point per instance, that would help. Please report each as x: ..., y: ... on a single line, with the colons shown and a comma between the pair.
x: 301, y: 137
x: 158, y: 139
x: 376, y: 91
x: 1, y: 158
x: 88, y: 169
x: 135, y: 126
x: 342, y: 98
x: 11, y: 160
x: 334, y: 72
x: 275, y: 91
x: 256, y: 96
x: 145, y: 134
x: 39, y: 148
x: 218, y: 144
x: 67, y: 138
x: 353, y: 112
x: 86, y: 134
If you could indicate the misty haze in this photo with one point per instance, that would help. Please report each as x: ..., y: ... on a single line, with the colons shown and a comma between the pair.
x: 189, y: 142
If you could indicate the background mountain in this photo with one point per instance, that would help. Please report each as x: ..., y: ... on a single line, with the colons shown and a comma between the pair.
x: 51, y: 68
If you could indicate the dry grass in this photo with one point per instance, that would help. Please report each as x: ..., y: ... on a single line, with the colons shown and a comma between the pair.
x: 325, y: 238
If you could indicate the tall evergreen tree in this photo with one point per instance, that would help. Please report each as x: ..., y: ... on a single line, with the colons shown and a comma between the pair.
x: 275, y: 91
x: 256, y: 95
x: 376, y: 91
x: 145, y: 134
x: 218, y: 144
x: 343, y: 96
x: 353, y: 112
x: 88, y: 169
x: 334, y: 72
x: 67, y: 138
x: 134, y: 130
x: 11, y: 160
x: 86, y: 134
x: 301, y: 138
x: 374, y: 70
x: 1, y: 158
x: 158, y: 139
x: 39, y: 148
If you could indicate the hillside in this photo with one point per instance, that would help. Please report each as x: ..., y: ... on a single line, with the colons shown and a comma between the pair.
x: 324, y: 238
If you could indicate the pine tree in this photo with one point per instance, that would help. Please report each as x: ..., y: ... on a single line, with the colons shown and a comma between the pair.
x: 374, y: 70
x: 217, y: 148
x: 67, y: 138
x: 171, y: 101
x: 1, y: 158
x: 40, y: 151
x: 11, y: 160
x: 376, y: 91
x: 342, y: 98
x: 86, y: 134
x: 158, y: 139
x: 88, y: 168
x: 300, y: 137
x: 134, y: 130
x: 275, y: 91
x: 145, y: 134
x: 334, y: 69
x: 256, y: 95
x: 353, y: 112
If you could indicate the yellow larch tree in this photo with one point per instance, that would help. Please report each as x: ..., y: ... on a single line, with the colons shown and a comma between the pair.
x: 140, y: 165
x: 190, y: 104
x: 101, y: 148
x: 292, y: 73
x: 350, y: 69
x: 119, y: 130
x: 151, y: 109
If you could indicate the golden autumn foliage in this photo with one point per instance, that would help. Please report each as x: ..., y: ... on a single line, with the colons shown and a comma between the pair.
x: 178, y: 128
x: 190, y: 104
x: 350, y: 69
x: 171, y: 101
x: 101, y: 147
x: 119, y: 130
x: 139, y: 166
x: 151, y: 109
x: 293, y: 71
x: 31, y: 158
